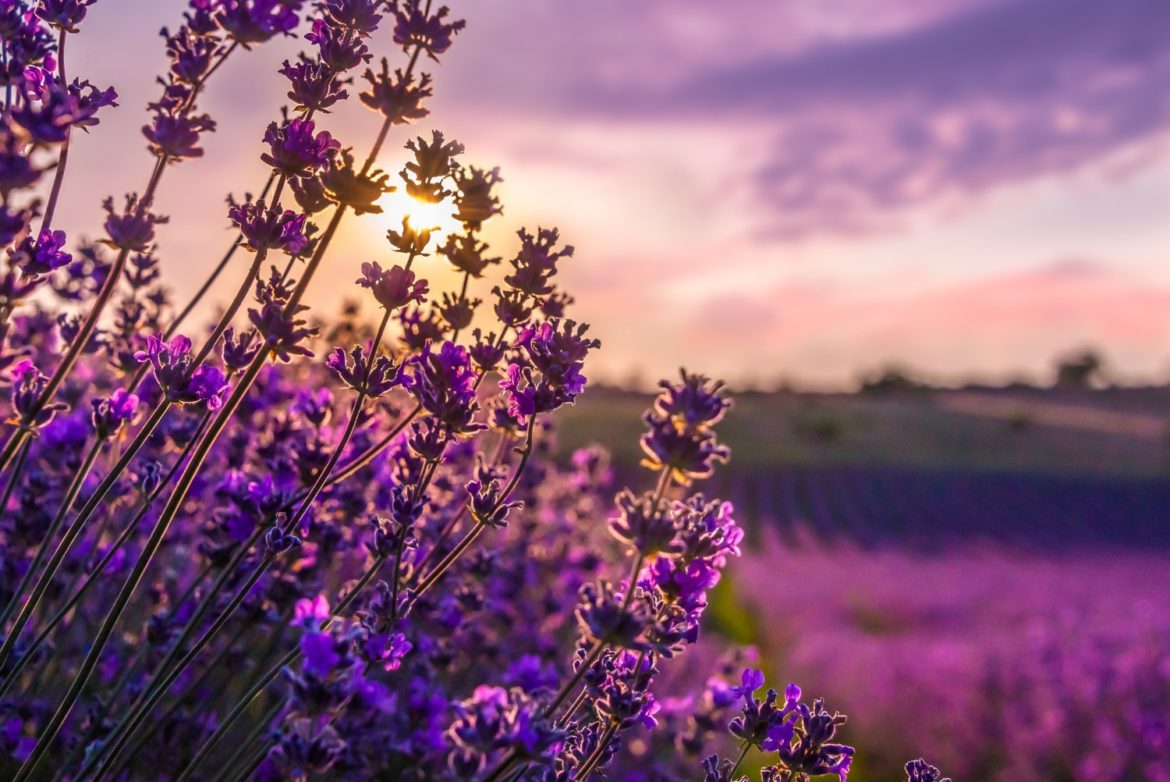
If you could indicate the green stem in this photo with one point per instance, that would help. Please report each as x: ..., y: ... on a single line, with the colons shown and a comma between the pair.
x: 178, y: 496
x: 94, y: 576
x: 59, y: 554
x: 272, y: 673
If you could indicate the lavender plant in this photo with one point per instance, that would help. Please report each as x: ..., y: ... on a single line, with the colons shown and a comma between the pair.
x: 227, y: 557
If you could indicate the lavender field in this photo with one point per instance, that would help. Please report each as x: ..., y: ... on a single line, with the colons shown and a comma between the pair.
x: 997, y: 664
x: 991, y: 597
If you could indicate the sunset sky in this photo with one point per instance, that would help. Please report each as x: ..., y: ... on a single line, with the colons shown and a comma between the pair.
x: 759, y: 189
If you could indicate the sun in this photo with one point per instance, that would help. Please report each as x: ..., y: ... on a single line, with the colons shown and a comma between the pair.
x: 397, y: 204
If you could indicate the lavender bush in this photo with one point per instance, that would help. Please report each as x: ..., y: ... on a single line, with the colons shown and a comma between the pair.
x: 296, y: 547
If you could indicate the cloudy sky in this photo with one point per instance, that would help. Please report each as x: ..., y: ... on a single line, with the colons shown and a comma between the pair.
x: 761, y: 189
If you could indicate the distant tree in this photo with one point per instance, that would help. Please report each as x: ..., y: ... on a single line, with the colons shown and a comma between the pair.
x: 889, y: 380
x: 1081, y: 370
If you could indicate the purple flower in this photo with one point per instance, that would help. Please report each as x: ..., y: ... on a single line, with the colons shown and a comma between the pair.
x: 270, y: 229
x: 474, y: 200
x: 295, y: 150
x: 132, y: 229
x: 415, y: 27
x: 314, y: 86
x: 42, y: 256
x: 176, y: 137
x: 643, y: 525
x: 238, y: 350
x: 345, y: 183
x: 47, y: 121
x: 278, y: 322
x: 29, y: 47
x: 112, y: 412
x: 696, y: 401
x: 536, y: 262
x: 351, y: 368
x: 175, y: 374
x: 256, y: 21
x: 394, y: 287
x: 444, y: 384
x: 191, y: 55
x: 388, y: 649
x: 603, y: 615
x: 88, y: 100
x: 434, y: 164
x: 337, y: 48
x: 921, y: 771
x: 486, y: 502
x: 488, y: 350
x: 358, y: 16
x: 64, y: 14
x: 28, y: 385
x: 419, y: 327
x: 399, y: 98
x: 467, y: 254
x: 207, y: 385
x: 550, y: 376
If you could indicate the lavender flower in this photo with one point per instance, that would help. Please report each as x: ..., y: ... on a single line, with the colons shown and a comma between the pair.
x: 111, y: 413
x: 176, y: 137
x: 266, y: 228
x: 42, y: 256
x: 314, y: 86
x: 397, y: 97
x: 394, y: 287
x: 921, y: 771
x: 382, y: 376
x: 346, y: 184
x: 63, y: 14
x: 415, y: 27
x: 295, y: 150
x: 255, y: 21
x: 28, y: 384
x: 132, y: 229
x: 181, y: 381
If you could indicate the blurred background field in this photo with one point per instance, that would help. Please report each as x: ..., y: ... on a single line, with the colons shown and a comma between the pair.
x: 975, y: 575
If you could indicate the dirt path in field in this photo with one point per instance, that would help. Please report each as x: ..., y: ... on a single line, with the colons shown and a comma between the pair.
x: 1071, y: 416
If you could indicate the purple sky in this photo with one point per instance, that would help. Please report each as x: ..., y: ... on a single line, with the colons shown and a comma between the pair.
x: 760, y: 189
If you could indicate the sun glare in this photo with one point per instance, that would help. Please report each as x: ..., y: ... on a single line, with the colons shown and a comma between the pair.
x: 421, y: 215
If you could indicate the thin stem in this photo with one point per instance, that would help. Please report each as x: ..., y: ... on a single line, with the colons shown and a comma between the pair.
x: 14, y: 476
x: 590, y: 764
x: 478, y: 529
x: 592, y: 657
x: 272, y: 673
x: 46, y: 577
x: 178, y: 496
x: 368, y: 455
x: 233, y: 308
x: 256, y: 732
x: 743, y: 750
x: 63, y: 158
x: 124, y: 730
x: 94, y: 575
